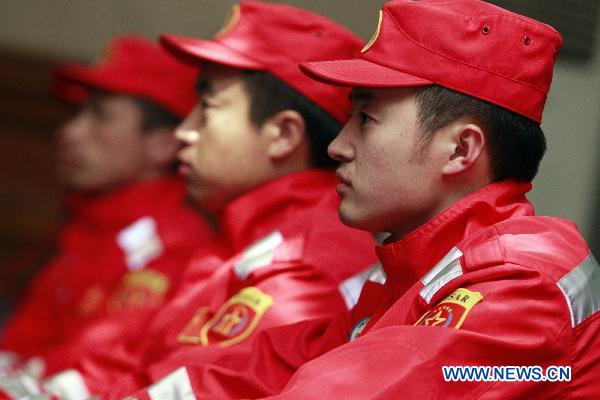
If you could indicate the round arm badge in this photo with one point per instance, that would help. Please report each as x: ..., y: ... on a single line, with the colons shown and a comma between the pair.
x: 234, y: 322
x: 452, y: 311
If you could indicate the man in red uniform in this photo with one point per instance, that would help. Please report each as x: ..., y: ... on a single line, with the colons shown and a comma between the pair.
x: 129, y: 232
x: 442, y: 144
x: 255, y: 155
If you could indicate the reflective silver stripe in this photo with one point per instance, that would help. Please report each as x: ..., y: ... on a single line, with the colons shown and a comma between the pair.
x: 581, y: 288
x: 175, y: 386
x: 260, y: 254
x: 140, y: 242
x: 8, y: 361
x: 20, y: 387
x: 352, y: 287
x: 378, y: 275
x: 68, y: 385
x: 444, y: 271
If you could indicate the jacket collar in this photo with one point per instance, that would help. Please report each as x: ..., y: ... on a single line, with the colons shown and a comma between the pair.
x: 127, y: 203
x: 408, y: 259
x: 258, y: 212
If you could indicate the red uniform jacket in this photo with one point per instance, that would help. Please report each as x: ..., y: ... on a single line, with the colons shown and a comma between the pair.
x: 121, y: 252
x: 295, y: 260
x: 485, y: 283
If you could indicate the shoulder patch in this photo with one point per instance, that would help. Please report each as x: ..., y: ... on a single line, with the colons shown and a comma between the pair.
x: 91, y: 301
x: 145, y: 288
x: 452, y: 311
x: 190, y: 334
x: 236, y: 319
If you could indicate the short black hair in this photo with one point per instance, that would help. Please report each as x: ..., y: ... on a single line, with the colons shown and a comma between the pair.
x: 515, y: 144
x: 155, y: 116
x: 269, y: 95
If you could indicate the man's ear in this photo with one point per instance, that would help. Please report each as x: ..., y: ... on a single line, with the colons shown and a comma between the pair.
x: 465, y: 148
x: 285, y: 132
x: 161, y: 146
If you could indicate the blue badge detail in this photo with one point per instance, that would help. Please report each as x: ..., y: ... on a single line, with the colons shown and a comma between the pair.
x: 358, y: 328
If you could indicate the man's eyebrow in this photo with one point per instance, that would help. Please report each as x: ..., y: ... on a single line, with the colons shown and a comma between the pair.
x: 361, y: 96
x: 203, y: 86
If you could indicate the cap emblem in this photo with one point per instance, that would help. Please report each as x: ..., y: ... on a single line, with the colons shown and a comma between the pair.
x: 375, y: 35
x: 230, y: 21
x: 107, y: 54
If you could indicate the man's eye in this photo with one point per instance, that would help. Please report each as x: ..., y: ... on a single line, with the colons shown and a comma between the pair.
x: 206, y: 104
x: 364, y: 118
x: 100, y: 113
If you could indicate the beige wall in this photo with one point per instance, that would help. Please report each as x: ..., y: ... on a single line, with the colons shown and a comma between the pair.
x: 78, y: 28
x: 566, y: 185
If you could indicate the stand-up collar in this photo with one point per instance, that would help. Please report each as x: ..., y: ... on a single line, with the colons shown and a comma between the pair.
x: 407, y: 260
x: 125, y: 204
x: 263, y: 209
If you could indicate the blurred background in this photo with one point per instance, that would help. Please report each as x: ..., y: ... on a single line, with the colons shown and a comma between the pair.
x: 36, y: 34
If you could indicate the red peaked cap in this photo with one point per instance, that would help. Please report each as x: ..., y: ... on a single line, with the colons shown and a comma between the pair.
x: 135, y: 66
x: 468, y: 46
x: 276, y: 38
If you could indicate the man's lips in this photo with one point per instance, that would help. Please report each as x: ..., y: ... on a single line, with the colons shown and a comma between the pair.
x: 184, y: 169
x: 342, y: 178
x: 66, y: 159
x: 344, y: 186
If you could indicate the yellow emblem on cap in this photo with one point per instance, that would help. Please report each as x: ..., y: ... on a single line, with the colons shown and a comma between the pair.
x: 375, y: 35
x: 237, y: 318
x: 106, y: 54
x: 452, y: 311
x: 230, y: 21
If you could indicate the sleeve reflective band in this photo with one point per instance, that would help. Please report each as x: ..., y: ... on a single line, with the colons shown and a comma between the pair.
x: 175, y: 386
x: 67, y: 385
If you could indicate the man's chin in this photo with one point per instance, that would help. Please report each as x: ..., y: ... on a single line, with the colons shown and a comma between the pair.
x: 69, y: 183
x: 351, y: 219
x: 203, y: 202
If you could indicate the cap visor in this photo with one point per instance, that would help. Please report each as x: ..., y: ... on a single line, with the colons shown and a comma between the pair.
x: 360, y: 73
x: 192, y: 51
x: 81, y: 75
x: 95, y: 78
x: 72, y: 82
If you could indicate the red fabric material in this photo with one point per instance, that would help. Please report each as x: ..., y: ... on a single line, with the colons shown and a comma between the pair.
x: 523, y: 318
x: 275, y: 38
x: 469, y: 46
x: 317, y: 253
x: 513, y: 258
x: 135, y: 66
x: 80, y: 298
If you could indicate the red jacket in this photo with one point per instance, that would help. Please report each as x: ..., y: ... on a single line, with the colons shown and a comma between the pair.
x: 484, y: 283
x: 121, y: 252
x: 295, y: 260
